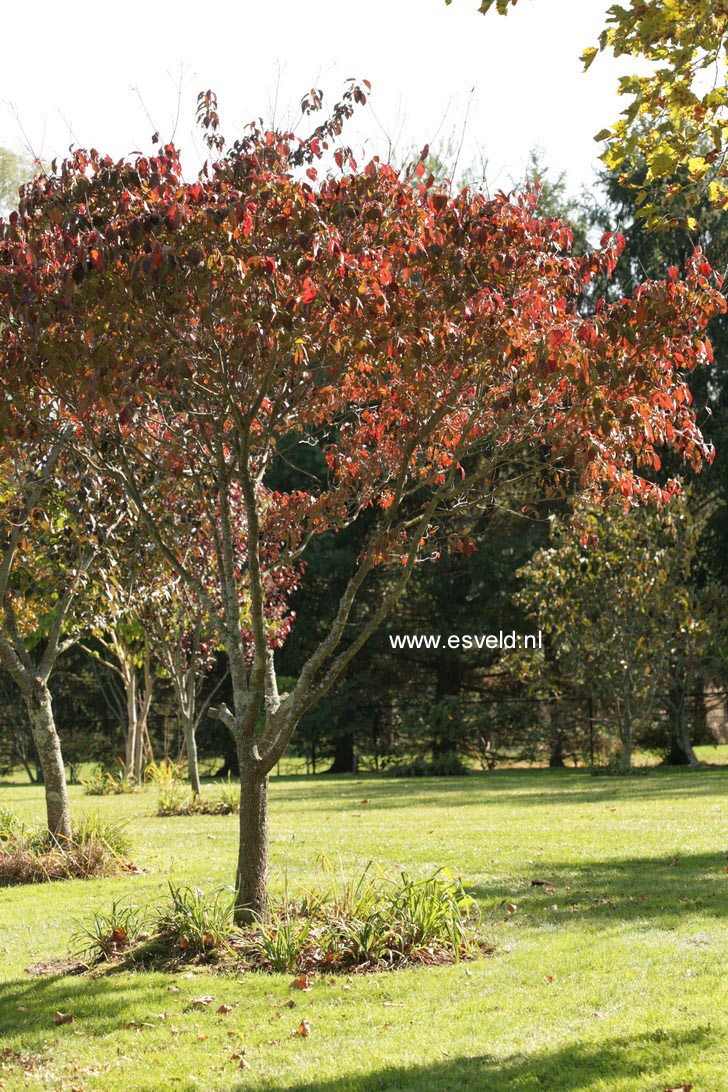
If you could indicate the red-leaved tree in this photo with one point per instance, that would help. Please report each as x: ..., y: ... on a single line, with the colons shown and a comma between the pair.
x: 432, y: 350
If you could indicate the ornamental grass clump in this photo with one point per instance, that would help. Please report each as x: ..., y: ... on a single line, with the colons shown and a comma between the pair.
x: 374, y: 923
x: 96, y: 848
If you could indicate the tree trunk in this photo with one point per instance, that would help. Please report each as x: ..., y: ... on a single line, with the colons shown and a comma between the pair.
x: 138, y: 759
x: 625, y: 758
x: 556, y: 734
x: 252, y: 875
x: 40, y: 712
x: 230, y: 766
x: 681, y: 749
x: 132, y: 723
x: 343, y: 754
x: 192, y: 766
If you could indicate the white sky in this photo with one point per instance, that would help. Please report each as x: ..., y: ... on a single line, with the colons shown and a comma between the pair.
x: 69, y: 71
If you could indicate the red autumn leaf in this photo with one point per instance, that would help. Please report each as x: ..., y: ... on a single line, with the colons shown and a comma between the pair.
x: 308, y: 295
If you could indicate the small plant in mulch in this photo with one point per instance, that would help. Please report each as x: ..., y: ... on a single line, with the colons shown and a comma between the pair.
x: 96, y: 848
x: 225, y: 802
x: 105, y: 782
x: 374, y: 924
x: 176, y: 798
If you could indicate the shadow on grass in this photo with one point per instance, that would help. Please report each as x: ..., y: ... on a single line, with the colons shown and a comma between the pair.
x: 507, y: 788
x: 620, y: 890
x: 640, y: 1059
x: 99, y: 1005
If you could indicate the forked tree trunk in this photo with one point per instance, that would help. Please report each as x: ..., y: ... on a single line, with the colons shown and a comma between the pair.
x: 40, y: 712
x: 252, y: 875
x: 681, y: 749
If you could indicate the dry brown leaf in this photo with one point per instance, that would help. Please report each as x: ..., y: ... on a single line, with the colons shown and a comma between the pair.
x: 225, y: 1009
x: 680, y: 1088
x: 302, y: 982
x: 303, y: 1030
x: 63, y: 1018
x: 289, y: 1004
x: 202, y: 1002
x: 549, y: 978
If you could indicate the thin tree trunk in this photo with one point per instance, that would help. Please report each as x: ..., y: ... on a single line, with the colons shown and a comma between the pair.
x: 556, y: 734
x: 252, y: 875
x: 192, y: 766
x: 625, y: 758
x: 132, y: 726
x: 138, y: 752
x: 40, y: 712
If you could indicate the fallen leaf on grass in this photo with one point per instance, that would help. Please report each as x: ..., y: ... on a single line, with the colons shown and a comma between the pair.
x: 22, y: 1008
x: 63, y: 1018
x: 549, y: 978
x: 289, y: 1004
x: 202, y: 1002
x: 303, y: 1030
x: 225, y: 1009
x: 511, y: 908
x: 303, y: 982
x: 680, y: 1088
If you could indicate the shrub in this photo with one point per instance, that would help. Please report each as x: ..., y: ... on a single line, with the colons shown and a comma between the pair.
x: 96, y: 847
x: 442, y: 766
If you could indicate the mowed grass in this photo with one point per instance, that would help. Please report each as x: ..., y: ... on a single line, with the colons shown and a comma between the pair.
x: 612, y: 977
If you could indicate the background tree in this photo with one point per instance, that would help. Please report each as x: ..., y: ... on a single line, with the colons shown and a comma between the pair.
x: 613, y: 596
x: 669, y: 143
x: 54, y: 523
x: 15, y: 169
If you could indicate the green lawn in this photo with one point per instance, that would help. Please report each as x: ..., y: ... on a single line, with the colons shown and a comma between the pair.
x: 615, y: 980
